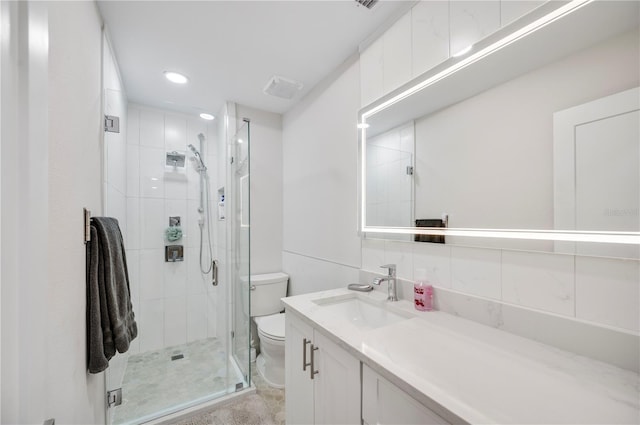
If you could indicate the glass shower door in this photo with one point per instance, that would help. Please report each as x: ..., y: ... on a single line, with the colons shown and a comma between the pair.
x: 239, y: 264
x: 183, y: 355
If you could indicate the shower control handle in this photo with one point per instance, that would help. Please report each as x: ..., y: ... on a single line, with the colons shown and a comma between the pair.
x: 312, y: 371
x: 305, y: 341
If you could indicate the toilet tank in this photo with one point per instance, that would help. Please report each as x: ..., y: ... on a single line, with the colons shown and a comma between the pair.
x: 266, y: 291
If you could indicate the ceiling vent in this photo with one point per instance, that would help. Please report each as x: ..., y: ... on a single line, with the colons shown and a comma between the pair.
x: 282, y: 87
x: 367, y: 3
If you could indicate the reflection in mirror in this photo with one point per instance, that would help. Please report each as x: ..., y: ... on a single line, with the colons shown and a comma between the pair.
x: 390, y: 178
x: 488, y: 160
x: 596, y: 163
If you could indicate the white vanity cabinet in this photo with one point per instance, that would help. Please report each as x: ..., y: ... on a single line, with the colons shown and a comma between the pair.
x: 383, y: 403
x: 331, y: 395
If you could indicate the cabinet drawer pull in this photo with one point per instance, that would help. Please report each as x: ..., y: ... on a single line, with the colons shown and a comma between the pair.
x: 305, y: 341
x: 312, y: 372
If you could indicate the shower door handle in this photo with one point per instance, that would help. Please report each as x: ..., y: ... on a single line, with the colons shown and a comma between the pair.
x: 305, y: 341
x: 214, y: 273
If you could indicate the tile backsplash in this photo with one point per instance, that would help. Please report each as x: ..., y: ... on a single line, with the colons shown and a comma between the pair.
x: 559, y: 299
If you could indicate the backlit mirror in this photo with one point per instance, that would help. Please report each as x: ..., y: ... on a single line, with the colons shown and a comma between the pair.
x: 530, y: 141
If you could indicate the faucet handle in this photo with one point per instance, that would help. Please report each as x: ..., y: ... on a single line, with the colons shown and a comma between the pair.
x: 391, y: 267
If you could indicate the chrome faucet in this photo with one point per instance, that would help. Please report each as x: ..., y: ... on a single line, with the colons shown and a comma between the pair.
x: 390, y: 279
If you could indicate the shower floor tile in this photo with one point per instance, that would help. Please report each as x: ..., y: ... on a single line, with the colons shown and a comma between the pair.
x: 154, y: 384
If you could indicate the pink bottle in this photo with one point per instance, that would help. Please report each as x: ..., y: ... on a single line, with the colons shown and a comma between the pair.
x: 422, y: 295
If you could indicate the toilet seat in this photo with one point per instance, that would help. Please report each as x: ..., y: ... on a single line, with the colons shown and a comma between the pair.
x: 271, y: 327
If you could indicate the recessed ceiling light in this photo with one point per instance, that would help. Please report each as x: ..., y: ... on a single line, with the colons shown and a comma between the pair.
x: 206, y: 116
x: 176, y: 77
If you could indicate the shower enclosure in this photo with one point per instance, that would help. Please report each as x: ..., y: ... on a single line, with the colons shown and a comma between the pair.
x: 179, y: 187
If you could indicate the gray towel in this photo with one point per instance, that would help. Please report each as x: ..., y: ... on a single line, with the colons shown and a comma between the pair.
x: 111, y: 323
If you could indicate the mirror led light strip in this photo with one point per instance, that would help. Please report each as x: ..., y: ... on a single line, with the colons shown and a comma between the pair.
x: 556, y: 235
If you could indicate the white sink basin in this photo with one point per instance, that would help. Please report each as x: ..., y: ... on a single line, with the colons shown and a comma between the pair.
x: 362, y: 313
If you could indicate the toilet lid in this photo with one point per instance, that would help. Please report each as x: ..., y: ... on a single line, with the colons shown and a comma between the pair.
x: 272, y: 326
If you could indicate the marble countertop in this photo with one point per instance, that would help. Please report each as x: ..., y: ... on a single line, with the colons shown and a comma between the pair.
x: 468, y: 372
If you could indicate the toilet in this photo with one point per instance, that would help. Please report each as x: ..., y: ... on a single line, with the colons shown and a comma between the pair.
x: 266, y: 307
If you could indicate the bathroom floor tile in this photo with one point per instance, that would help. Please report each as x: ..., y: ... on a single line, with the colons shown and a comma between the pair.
x: 273, y: 397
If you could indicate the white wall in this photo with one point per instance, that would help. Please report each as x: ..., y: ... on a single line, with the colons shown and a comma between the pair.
x: 173, y: 303
x: 51, y: 169
x: 74, y: 182
x: 321, y: 244
x: 10, y: 384
x: 266, y: 189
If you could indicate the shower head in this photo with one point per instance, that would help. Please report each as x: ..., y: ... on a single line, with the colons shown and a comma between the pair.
x: 196, y: 155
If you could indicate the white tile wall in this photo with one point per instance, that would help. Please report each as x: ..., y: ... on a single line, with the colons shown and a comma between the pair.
x: 435, y: 262
x: 151, y: 274
x: 192, y: 228
x: 175, y: 279
x: 314, y: 274
x: 132, y: 236
x: 152, y: 223
x: 116, y: 161
x: 213, y: 317
x: 476, y: 271
x: 133, y: 170
x: 151, y: 128
x: 116, y: 206
x: 175, y: 321
x: 430, y: 35
x: 196, y: 317
x: 133, y: 125
x: 511, y: 10
x: 152, y: 165
x: 175, y: 133
x: 471, y: 21
x: 601, y: 291
x: 151, y: 325
x: 371, y: 80
x: 172, y: 301
x: 196, y: 283
x: 397, y: 54
x: 539, y: 280
x: 400, y: 254
x: 372, y: 254
x: 174, y: 184
x: 608, y: 291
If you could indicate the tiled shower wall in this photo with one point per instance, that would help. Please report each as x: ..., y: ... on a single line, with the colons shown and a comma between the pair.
x: 172, y: 301
x: 602, y: 291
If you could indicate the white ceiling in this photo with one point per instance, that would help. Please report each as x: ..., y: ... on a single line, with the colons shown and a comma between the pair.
x: 230, y: 49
